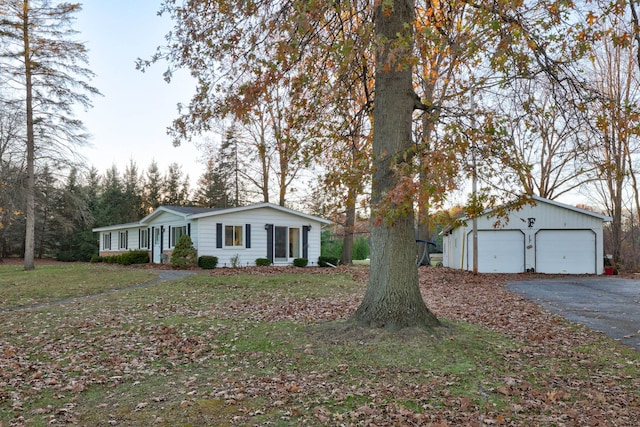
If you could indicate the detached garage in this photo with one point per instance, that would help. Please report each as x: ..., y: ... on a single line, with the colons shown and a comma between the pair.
x: 549, y: 237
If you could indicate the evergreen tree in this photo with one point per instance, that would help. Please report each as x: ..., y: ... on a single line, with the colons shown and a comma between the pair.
x: 111, y: 208
x: 176, y: 187
x: 228, y: 166
x: 212, y: 191
x: 46, y: 198
x: 133, y: 192
x: 72, y: 222
x: 153, y: 188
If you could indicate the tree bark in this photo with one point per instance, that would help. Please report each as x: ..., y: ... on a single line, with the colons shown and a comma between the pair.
x: 393, y: 298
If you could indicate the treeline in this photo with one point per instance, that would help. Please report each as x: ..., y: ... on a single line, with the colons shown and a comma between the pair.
x: 68, y: 207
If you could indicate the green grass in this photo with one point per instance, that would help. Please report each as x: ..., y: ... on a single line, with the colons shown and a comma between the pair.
x: 53, y: 282
x: 248, y: 350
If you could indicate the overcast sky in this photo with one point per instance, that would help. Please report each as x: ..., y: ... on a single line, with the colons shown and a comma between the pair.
x: 130, y: 120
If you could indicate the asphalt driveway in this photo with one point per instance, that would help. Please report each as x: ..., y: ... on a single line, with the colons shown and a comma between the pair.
x: 607, y: 304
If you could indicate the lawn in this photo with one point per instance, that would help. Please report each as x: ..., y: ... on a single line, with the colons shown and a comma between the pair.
x: 272, y: 347
x: 64, y: 280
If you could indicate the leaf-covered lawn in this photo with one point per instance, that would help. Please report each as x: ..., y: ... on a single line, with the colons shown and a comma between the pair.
x: 64, y: 280
x: 272, y: 348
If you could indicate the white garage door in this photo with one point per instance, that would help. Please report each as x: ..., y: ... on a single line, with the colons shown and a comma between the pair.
x: 499, y: 251
x: 566, y: 252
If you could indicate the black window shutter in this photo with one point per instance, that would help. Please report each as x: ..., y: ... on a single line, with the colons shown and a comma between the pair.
x: 248, y: 236
x: 305, y: 241
x: 171, y: 239
x: 269, y: 228
x: 149, y: 237
x: 189, y: 229
x: 218, y: 235
x: 126, y: 239
x: 139, y: 239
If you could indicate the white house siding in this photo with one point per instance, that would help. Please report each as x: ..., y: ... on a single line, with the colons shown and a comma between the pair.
x: 258, y: 219
x: 539, y: 225
x: 166, y: 220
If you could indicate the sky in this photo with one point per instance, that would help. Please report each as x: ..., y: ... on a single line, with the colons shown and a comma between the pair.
x: 129, y: 121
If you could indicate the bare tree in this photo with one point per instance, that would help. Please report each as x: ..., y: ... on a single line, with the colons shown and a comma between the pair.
x: 616, y: 117
x: 547, y: 142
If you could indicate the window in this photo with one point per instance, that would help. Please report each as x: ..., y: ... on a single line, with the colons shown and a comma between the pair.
x: 233, y: 236
x: 143, y: 239
x: 176, y: 232
x: 294, y: 243
x: 123, y: 240
x: 106, y: 241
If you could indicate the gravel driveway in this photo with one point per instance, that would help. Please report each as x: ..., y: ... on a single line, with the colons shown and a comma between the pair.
x: 607, y: 304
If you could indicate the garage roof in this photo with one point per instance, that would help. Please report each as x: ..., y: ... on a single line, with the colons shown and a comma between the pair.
x: 539, y: 199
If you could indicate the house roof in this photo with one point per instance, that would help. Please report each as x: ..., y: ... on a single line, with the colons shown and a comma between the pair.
x: 197, y: 212
x: 190, y: 210
x: 539, y: 199
x: 183, y: 211
x: 117, y: 226
x: 214, y: 212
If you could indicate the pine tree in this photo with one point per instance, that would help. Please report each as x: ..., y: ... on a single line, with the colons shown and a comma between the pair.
x: 153, y: 188
x: 46, y: 66
x: 176, y: 188
x: 212, y: 191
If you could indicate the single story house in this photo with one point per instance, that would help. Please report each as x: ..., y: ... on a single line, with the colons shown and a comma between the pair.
x: 547, y: 237
x: 237, y: 236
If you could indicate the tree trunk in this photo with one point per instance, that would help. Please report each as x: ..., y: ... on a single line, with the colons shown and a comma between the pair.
x: 393, y: 298
x: 347, y: 243
x: 29, y: 244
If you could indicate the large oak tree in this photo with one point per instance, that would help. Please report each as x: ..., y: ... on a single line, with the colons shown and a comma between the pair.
x: 241, y: 50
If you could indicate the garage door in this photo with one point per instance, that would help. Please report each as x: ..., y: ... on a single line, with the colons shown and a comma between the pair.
x: 566, y: 252
x: 499, y: 251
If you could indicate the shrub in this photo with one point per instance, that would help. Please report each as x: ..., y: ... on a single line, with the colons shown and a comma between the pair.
x: 184, y: 255
x: 207, y: 262
x: 330, y: 245
x: 95, y: 258
x: 360, y: 248
x: 263, y: 262
x: 134, y: 257
x: 324, y: 261
x: 300, y: 262
x: 66, y: 257
x: 235, y: 261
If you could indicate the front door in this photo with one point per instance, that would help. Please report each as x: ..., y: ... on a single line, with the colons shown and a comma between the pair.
x: 280, y: 253
x: 157, y: 245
